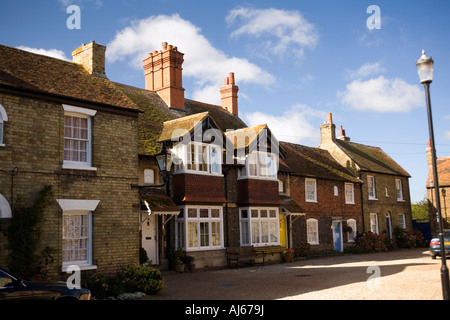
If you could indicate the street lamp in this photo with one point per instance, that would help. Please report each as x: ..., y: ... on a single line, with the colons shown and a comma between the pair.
x: 164, y: 159
x: 425, y: 69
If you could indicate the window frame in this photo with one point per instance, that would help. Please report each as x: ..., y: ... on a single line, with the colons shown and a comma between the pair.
x: 82, y: 113
x: 3, y: 119
x: 254, y: 166
x: 250, y: 223
x: 184, y: 232
x: 85, y: 263
x: 191, y: 151
x: 374, y: 224
x: 352, y: 235
x: 307, y: 198
x: 402, y: 221
x: 371, y: 185
x: 352, y: 193
x: 312, y: 225
x: 399, y: 189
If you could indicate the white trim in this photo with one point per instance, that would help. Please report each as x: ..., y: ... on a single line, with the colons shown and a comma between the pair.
x: 315, y: 189
x: 77, y: 205
x: 352, y: 200
x: 5, y: 208
x: 316, y: 231
x: 88, y: 112
x: 77, y: 166
x: 272, y: 222
x: 3, y: 113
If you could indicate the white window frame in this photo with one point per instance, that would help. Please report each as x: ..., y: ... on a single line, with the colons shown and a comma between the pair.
x: 371, y: 188
x: 185, y: 238
x: 260, y: 226
x: 399, y: 188
x: 312, y: 231
x: 186, y: 161
x: 310, y: 194
x: 374, y: 225
x: 78, y: 112
x: 402, y: 220
x: 149, y: 176
x: 349, y: 193
x: 352, y: 235
x: 85, y: 208
x: 255, y: 167
x: 3, y: 119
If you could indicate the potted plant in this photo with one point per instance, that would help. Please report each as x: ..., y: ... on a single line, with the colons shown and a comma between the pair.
x: 287, y: 255
x: 189, y: 261
x: 179, y: 265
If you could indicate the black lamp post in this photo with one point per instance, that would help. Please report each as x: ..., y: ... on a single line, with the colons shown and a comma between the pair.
x: 425, y: 69
x: 164, y: 159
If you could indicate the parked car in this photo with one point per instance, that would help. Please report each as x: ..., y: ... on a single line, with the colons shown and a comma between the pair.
x: 13, y: 287
x: 435, y: 246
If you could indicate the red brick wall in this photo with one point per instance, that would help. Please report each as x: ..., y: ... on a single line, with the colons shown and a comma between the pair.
x: 198, y: 188
x: 257, y: 192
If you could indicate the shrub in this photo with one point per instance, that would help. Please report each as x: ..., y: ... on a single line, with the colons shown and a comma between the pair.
x: 370, y: 242
x: 408, y: 239
x: 131, y: 279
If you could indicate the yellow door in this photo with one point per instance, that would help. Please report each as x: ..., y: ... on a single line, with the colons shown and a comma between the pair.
x: 283, y: 230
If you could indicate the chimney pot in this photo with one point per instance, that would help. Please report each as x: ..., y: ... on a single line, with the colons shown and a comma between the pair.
x: 231, y: 77
x: 229, y: 94
x: 330, y: 118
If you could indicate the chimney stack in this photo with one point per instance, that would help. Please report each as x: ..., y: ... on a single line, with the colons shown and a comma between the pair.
x: 163, y: 74
x: 328, y: 130
x: 229, y: 94
x: 342, y: 135
x: 92, y: 57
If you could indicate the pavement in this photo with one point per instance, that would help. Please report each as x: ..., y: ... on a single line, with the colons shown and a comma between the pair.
x: 406, y: 274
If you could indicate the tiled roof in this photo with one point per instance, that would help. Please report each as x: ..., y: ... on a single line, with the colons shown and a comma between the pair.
x: 157, y: 200
x: 313, y: 162
x: 42, y: 74
x: 185, y: 123
x: 372, y: 159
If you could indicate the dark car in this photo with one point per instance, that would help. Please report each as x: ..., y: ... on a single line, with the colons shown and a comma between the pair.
x: 435, y: 246
x: 13, y: 287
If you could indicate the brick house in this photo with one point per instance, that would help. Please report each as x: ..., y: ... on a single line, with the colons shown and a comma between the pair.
x: 64, y: 124
x: 443, y: 170
x: 386, y: 201
x: 328, y: 196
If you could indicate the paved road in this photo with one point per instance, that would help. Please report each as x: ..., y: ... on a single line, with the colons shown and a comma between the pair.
x: 404, y: 275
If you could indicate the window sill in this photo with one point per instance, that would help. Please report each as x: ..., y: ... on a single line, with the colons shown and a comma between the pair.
x: 2, y: 145
x: 81, y: 266
x: 375, y: 199
x: 74, y: 166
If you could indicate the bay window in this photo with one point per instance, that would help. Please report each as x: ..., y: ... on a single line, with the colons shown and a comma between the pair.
x: 199, y: 228
x: 260, y: 164
x: 197, y: 157
x: 259, y: 226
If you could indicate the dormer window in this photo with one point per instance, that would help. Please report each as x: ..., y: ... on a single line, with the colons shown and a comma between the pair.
x: 197, y: 157
x: 261, y: 165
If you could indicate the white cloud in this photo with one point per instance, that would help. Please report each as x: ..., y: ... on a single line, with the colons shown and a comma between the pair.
x: 382, y: 95
x: 54, y: 53
x: 294, y: 125
x: 281, y: 32
x: 367, y: 69
x: 207, y: 65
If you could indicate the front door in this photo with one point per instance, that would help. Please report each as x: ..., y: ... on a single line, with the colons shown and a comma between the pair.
x: 150, y: 238
x: 337, y: 235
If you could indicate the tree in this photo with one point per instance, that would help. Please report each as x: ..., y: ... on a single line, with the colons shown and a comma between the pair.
x: 420, y: 211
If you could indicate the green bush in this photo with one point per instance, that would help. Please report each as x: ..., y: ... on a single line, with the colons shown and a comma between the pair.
x: 130, y: 279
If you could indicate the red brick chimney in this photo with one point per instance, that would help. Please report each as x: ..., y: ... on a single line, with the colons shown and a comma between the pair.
x: 92, y: 57
x: 342, y: 135
x: 163, y: 74
x: 229, y: 94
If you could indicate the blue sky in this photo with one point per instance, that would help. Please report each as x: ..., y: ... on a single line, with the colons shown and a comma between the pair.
x: 294, y: 61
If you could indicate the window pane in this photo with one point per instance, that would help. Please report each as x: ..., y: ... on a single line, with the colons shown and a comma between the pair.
x: 192, y: 234
x: 204, y: 234
x: 215, y: 234
x: 264, y: 231
x: 273, y: 237
x: 192, y: 213
x: 244, y: 214
x: 75, y: 238
x: 244, y: 232
x: 203, y: 213
x: 215, y: 213
x: 255, y: 232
